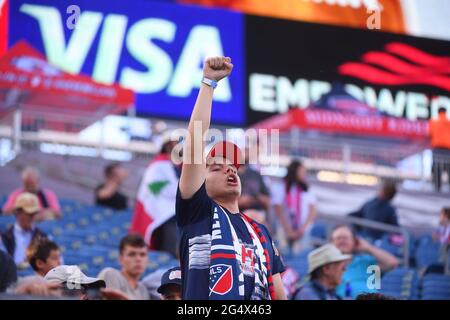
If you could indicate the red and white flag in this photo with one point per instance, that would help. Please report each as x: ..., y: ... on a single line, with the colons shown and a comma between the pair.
x: 155, y: 203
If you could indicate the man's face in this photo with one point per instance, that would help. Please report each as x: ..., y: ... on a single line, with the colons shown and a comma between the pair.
x: 31, y: 182
x: 53, y: 260
x: 24, y: 220
x: 134, y: 260
x: 343, y: 239
x: 171, y: 292
x: 334, y: 272
x: 222, y: 180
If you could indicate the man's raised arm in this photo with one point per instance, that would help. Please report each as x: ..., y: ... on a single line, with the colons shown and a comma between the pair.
x: 194, y: 167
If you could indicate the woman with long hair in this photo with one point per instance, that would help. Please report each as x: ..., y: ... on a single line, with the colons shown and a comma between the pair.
x: 296, y: 208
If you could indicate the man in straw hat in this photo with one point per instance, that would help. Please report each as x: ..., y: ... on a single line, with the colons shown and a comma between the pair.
x: 325, y: 268
x: 16, y: 239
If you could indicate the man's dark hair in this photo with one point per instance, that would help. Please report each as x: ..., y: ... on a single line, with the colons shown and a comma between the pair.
x: 109, y: 169
x: 132, y: 240
x: 389, y: 190
x: 40, y: 250
x: 291, y: 176
x: 442, y: 109
x: 374, y: 296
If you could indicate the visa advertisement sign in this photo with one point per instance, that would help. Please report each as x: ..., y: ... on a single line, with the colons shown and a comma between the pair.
x: 155, y: 49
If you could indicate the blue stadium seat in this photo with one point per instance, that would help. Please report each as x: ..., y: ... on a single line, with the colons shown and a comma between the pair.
x: 319, y: 230
x: 397, y: 250
x: 299, y: 262
x: 427, y: 252
x: 436, y: 287
x: 401, y: 283
x: 6, y: 222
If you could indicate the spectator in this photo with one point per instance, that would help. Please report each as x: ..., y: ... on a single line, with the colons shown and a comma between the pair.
x: 170, y: 288
x: 18, y: 237
x: 295, y: 206
x: 442, y: 233
x: 354, y: 280
x: 223, y: 253
x: 67, y: 282
x: 107, y: 194
x: 43, y: 255
x: 378, y: 209
x: 8, y: 271
x: 326, y: 266
x: 75, y: 284
x: 47, y: 200
x: 255, y: 199
x: 154, y: 212
x: 440, y: 143
x: 133, y: 256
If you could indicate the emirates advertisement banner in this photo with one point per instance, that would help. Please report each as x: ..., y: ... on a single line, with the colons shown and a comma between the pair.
x: 344, y: 80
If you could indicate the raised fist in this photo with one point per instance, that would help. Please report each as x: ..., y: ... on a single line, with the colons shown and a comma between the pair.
x: 217, y: 68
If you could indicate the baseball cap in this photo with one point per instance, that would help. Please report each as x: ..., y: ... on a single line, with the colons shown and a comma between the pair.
x: 72, y: 275
x: 324, y: 255
x: 28, y: 202
x: 226, y: 150
x: 171, y: 276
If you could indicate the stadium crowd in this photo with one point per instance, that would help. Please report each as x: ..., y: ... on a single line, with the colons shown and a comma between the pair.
x: 220, y: 212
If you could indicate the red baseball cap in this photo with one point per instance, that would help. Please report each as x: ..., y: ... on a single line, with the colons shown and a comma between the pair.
x: 226, y: 150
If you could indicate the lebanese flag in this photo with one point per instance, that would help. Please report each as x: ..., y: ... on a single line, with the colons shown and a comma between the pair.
x: 155, y: 203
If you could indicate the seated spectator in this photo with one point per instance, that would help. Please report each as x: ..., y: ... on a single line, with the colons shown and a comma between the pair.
x: 107, y: 194
x: 133, y: 257
x: 75, y: 284
x: 295, y: 207
x: 354, y: 280
x: 66, y: 282
x: 442, y: 234
x: 16, y: 239
x: 48, y: 202
x: 43, y: 255
x: 8, y: 271
x: 325, y: 268
x: 170, y: 288
x: 378, y: 209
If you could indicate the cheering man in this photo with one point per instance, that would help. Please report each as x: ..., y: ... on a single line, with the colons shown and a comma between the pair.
x: 223, y: 253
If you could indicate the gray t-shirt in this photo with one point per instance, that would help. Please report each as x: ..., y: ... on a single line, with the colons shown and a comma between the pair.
x: 115, y: 280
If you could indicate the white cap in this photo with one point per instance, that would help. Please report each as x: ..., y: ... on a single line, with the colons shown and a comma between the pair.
x: 324, y: 255
x: 73, y: 277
